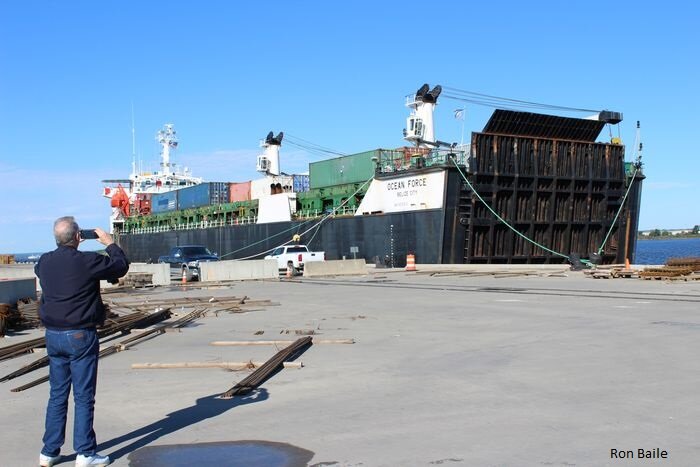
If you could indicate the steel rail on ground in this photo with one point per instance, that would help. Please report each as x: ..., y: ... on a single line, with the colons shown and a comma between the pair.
x: 269, y: 368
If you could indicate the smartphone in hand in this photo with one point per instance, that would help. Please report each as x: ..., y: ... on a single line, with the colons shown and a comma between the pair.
x: 88, y: 234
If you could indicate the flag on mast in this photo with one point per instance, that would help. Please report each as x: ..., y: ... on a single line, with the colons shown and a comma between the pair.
x: 459, y: 114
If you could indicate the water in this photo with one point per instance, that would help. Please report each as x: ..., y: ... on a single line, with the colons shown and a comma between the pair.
x: 231, y: 453
x: 658, y: 251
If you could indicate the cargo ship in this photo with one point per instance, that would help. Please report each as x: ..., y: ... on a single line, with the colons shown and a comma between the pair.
x: 529, y: 188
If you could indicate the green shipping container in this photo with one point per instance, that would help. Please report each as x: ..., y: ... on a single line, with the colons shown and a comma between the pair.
x: 356, y: 168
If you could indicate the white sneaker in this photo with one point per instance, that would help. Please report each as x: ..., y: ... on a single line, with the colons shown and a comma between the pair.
x: 91, y: 461
x: 47, y: 461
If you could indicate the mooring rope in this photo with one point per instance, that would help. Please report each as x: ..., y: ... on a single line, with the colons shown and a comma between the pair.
x: 316, y: 225
x: 471, y: 187
x: 634, y: 175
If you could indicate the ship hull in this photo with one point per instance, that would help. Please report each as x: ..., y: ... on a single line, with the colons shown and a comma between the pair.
x: 386, y: 238
x: 435, y: 236
x: 446, y: 235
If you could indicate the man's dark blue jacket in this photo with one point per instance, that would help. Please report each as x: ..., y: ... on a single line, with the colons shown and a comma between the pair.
x: 70, y: 285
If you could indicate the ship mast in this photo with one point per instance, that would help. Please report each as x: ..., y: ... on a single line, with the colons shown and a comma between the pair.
x: 168, y: 141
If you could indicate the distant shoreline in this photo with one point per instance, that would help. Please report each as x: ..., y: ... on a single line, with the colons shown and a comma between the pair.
x: 667, y: 237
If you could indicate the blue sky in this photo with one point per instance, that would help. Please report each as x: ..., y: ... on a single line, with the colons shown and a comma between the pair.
x: 334, y: 73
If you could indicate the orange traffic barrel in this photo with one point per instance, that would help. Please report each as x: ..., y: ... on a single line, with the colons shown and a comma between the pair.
x: 411, y: 262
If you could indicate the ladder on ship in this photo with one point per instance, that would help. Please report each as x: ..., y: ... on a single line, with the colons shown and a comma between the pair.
x: 464, y: 214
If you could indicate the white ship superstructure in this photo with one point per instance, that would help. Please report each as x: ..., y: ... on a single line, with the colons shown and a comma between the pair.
x: 420, y: 129
x: 169, y: 177
x: 274, y: 192
x: 124, y: 194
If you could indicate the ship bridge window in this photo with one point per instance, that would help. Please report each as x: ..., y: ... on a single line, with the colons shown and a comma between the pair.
x: 263, y: 163
x: 419, y: 127
x: 415, y: 127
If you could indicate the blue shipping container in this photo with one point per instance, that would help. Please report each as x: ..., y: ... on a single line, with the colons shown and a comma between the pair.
x: 164, y: 202
x: 300, y: 183
x: 204, y: 194
x: 193, y: 197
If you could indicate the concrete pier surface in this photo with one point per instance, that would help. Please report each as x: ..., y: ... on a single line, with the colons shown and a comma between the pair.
x: 551, y: 369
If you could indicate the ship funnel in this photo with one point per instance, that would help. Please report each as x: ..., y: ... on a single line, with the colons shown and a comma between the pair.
x: 269, y: 161
x: 419, y: 125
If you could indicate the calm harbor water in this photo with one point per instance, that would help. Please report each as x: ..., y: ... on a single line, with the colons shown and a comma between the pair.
x: 648, y: 251
x: 658, y: 251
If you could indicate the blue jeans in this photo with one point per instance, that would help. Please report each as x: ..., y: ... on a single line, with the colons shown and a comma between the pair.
x: 72, y: 360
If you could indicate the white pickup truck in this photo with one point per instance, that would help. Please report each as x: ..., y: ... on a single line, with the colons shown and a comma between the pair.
x: 295, y: 256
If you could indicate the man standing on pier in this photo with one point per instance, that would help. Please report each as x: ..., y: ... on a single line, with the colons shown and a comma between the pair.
x: 71, y: 309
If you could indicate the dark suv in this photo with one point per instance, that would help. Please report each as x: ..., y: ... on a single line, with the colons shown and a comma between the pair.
x: 185, y: 259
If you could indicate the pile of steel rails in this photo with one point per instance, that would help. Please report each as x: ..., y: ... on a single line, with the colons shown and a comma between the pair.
x: 112, y: 326
x: 684, y: 269
x: 675, y: 269
x: 144, y: 317
x: 112, y: 349
x: 137, y: 313
x: 690, y: 262
x: 229, y: 304
x: 24, y: 314
x: 269, y: 368
x: 667, y: 272
x: 122, y: 324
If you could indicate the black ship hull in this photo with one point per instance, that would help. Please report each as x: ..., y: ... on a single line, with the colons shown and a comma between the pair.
x: 387, y: 238
x: 458, y: 233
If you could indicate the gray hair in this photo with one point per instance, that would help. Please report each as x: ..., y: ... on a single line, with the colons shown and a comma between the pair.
x: 65, y: 230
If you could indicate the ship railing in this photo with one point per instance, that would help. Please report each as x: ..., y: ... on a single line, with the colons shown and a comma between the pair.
x: 346, y: 211
x: 408, y: 158
x: 203, y: 224
x: 307, y: 214
x: 242, y: 220
x: 314, y: 213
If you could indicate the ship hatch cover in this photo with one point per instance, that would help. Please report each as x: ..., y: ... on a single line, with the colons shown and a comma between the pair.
x: 510, y: 122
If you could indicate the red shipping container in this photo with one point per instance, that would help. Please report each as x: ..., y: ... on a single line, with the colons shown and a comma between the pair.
x: 143, y: 204
x: 239, y: 191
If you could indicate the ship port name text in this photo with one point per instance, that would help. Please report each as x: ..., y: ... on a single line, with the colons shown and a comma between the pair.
x: 656, y: 453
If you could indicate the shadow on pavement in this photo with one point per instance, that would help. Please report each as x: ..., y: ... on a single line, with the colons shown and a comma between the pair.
x: 204, y: 408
